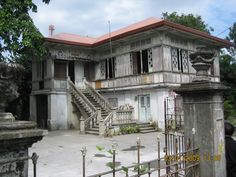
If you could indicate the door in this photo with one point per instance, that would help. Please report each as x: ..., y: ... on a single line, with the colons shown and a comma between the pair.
x: 42, y: 111
x: 71, y: 71
x: 144, y: 108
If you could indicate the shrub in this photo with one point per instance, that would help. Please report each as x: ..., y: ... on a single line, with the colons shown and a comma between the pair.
x: 128, y: 129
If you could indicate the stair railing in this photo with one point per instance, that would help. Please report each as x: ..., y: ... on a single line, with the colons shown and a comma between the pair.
x: 98, y: 97
x: 92, y: 119
x: 82, y: 96
x: 109, y: 120
x: 90, y: 122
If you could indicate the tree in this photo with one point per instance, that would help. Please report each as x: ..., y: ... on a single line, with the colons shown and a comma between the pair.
x: 228, y: 76
x: 189, y: 20
x: 20, y: 42
x: 18, y: 34
x: 232, y: 38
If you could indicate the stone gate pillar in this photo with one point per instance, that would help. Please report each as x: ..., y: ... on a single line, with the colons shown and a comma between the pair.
x: 16, y: 137
x: 203, y: 111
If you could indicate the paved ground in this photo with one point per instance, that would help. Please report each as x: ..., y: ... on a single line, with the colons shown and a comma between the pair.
x: 60, y: 155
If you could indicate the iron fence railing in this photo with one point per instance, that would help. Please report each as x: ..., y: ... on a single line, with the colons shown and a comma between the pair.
x: 173, y: 164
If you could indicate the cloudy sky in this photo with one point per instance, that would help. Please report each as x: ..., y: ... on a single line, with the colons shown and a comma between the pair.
x: 90, y: 17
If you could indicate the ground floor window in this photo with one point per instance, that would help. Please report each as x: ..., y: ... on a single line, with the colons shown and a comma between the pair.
x: 113, y: 101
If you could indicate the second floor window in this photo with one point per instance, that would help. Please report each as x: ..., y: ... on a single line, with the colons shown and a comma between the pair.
x: 60, y: 70
x: 141, y: 61
x: 179, y: 60
x: 107, y: 68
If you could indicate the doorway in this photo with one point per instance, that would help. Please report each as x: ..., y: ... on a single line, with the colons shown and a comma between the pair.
x: 71, y: 71
x: 42, y: 111
x: 144, y: 108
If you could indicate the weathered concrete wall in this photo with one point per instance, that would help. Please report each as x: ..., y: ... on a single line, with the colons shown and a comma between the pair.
x: 58, y: 111
x: 157, y: 97
x: 33, y: 109
x: 73, y: 115
x: 15, y: 139
x: 203, y: 111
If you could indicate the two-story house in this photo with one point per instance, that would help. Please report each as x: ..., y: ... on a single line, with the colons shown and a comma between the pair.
x: 138, y: 65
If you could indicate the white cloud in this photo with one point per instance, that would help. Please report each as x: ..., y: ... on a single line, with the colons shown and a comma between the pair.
x: 90, y: 17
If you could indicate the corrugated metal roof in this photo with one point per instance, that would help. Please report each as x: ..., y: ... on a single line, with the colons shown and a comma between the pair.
x: 144, y: 25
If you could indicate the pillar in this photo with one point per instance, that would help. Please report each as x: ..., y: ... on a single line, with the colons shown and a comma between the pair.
x: 203, y: 111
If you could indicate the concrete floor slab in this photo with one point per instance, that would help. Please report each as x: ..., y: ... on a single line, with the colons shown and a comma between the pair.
x: 60, y: 155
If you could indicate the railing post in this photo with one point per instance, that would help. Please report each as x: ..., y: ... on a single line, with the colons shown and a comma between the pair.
x: 114, y: 110
x: 138, y: 154
x: 82, y: 125
x: 158, y: 157
x: 176, y: 153
x: 34, y: 161
x: 114, y: 158
x: 84, y: 151
x: 102, y: 127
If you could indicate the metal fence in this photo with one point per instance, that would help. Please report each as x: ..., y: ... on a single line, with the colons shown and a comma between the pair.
x: 34, y: 159
x: 174, y: 118
x: 176, y: 161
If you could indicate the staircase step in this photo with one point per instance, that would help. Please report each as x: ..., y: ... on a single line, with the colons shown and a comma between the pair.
x: 148, y: 131
x: 92, y: 132
x: 94, y: 129
x: 146, y: 128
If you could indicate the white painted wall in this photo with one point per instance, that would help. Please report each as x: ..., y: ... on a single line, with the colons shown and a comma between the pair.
x: 157, y: 97
x: 58, y: 111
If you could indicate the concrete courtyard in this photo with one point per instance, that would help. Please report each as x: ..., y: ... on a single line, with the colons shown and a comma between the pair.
x: 60, y: 155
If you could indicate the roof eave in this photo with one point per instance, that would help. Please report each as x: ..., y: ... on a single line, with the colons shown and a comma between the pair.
x: 222, y: 42
x: 59, y: 41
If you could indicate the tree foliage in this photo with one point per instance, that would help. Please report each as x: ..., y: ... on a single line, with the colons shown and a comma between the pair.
x: 18, y: 34
x: 189, y: 20
x: 232, y: 38
x: 228, y: 78
x: 20, y: 42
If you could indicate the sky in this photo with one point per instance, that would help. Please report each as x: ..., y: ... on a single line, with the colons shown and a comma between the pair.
x: 90, y: 17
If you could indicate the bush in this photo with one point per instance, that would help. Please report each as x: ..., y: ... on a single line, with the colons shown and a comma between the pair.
x: 128, y: 129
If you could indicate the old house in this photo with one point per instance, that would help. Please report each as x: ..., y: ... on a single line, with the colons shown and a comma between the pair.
x: 84, y: 79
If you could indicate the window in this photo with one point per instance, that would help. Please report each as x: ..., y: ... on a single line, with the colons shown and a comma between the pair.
x: 60, y: 70
x: 110, y: 68
x: 142, y: 61
x: 113, y: 101
x: 39, y: 69
x: 179, y: 59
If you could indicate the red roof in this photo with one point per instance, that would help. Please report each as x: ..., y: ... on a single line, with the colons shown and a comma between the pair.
x: 141, y: 26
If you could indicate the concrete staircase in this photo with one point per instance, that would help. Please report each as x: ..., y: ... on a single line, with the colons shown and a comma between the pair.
x: 94, y: 107
x: 146, y: 128
x: 95, y: 129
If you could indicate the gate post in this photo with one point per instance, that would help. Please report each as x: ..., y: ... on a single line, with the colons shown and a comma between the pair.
x: 203, y: 112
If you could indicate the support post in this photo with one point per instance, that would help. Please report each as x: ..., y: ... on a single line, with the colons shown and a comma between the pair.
x: 82, y: 125
x: 102, y: 127
x: 84, y: 151
x: 203, y: 113
x: 34, y: 160
x: 138, y: 154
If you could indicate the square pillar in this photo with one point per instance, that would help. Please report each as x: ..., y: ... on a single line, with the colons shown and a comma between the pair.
x: 203, y: 111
